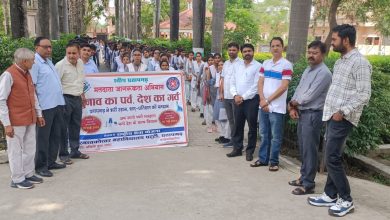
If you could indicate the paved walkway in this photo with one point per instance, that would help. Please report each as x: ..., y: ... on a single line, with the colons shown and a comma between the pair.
x: 195, y: 182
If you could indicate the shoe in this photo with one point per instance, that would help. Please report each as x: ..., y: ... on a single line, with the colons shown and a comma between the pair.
x: 218, y: 139
x: 234, y: 153
x: 341, y: 208
x: 303, y: 190
x: 204, y: 123
x: 44, y: 173
x: 34, y: 179
x: 25, y: 184
x: 56, y: 166
x: 192, y: 110
x: 323, y: 200
x: 224, y: 140
x: 66, y: 161
x: 228, y: 145
x: 249, y: 157
x: 209, y: 130
x: 201, y: 115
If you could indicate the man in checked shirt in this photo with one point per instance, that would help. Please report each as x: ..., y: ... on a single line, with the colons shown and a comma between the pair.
x: 349, y: 92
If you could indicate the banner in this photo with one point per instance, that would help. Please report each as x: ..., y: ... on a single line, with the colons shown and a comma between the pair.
x: 126, y: 111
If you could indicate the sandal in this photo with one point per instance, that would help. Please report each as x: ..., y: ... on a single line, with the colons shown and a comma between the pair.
x: 67, y: 161
x: 295, y: 183
x: 258, y: 163
x: 302, y: 191
x: 273, y: 168
x: 81, y: 156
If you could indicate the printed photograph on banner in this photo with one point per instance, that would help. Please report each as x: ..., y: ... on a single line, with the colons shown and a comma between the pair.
x: 125, y: 111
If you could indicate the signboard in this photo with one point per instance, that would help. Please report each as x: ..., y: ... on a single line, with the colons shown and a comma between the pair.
x: 125, y: 111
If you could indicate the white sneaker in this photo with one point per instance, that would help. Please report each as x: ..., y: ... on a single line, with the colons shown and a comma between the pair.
x: 341, y: 208
x: 323, y: 200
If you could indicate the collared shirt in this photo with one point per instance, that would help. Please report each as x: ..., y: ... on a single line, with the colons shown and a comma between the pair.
x: 273, y: 74
x: 350, y: 90
x: 244, y: 80
x: 153, y: 64
x: 47, y: 83
x: 227, y: 72
x: 6, y: 83
x: 313, y: 87
x: 120, y: 65
x: 72, y: 77
x: 90, y: 67
x: 145, y: 60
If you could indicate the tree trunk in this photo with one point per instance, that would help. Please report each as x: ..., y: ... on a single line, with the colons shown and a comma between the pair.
x: 332, y: 19
x: 125, y: 18
x: 299, y: 27
x: 157, y: 19
x: 44, y: 18
x: 116, y: 17
x: 198, y: 26
x: 174, y: 20
x: 54, y: 20
x: 138, y: 19
x: 76, y: 11
x: 18, y: 18
x: 121, y: 16
x: 217, y: 25
x: 6, y: 17
x: 63, y: 16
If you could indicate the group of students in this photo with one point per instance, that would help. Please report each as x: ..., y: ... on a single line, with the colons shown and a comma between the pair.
x: 227, y: 94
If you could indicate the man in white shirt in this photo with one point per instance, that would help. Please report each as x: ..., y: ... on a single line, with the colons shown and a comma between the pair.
x: 154, y: 63
x: 71, y: 73
x: 225, y: 95
x: 273, y: 85
x: 243, y: 87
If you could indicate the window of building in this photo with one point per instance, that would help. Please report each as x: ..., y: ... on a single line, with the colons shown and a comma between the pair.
x: 372, y: 41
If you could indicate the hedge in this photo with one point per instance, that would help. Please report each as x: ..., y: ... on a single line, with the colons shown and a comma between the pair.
x: 374, y: 126
x: 9, y: 45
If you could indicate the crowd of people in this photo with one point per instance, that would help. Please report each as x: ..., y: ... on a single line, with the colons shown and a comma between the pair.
x: 226, y: 93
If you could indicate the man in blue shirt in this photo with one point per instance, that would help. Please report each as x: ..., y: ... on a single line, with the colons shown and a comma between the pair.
x: 49, y: 91
x: 89, y: 64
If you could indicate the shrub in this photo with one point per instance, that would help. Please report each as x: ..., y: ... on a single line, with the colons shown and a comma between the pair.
x: 9, y: 45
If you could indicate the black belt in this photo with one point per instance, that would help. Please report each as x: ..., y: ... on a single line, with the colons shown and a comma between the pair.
x: 310, y: 110
x: 71, y: 96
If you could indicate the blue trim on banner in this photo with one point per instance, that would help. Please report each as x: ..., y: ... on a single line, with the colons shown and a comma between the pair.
x: 130, y: 133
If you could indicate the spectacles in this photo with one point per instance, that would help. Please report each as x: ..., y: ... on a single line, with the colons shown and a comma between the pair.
x: 45, y: 47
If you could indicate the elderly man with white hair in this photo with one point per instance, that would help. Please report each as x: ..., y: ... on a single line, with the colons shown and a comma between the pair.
x: 19, y: 112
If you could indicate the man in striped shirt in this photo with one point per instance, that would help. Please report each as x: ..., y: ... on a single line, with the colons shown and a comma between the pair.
x: 272, y: 86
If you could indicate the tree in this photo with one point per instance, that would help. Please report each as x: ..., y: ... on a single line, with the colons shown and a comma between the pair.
x: 332, y: 19
x: 76, y: 14
x: 117, y: 20
x: 273, y: 17
x: 241, y: 13
x: 63, y: 16
x: 54, y: 20
x: 174, y: 20
x: 18, y: 18
x: 198, y: 24
x: 218, y: 24
x: 299, y: 27
x: 43, y: 20
x: 156, y: 21
x: 137, y: 18
x: 6, y: 16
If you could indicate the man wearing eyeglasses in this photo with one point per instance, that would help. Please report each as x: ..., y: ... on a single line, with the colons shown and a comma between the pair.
x: 49, y: 91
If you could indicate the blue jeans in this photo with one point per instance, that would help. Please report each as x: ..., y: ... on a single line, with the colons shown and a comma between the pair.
x: 271, y: 133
